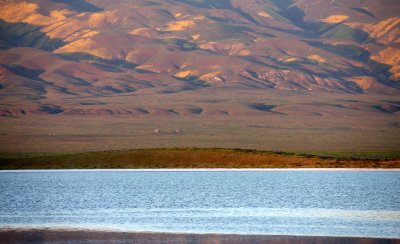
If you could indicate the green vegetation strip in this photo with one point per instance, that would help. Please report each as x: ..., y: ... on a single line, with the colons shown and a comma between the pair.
x: 199, y: 158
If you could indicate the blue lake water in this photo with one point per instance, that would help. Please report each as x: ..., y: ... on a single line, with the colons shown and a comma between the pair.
x: 328, y: 203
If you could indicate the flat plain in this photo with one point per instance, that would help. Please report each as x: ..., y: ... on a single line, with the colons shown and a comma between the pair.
x: 225, y: 118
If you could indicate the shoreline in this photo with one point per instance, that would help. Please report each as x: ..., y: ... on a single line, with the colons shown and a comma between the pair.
x: 207, y: 170
x: 50, y: 235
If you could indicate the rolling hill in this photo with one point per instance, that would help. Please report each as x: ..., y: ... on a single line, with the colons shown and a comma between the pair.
x: 322, y: 63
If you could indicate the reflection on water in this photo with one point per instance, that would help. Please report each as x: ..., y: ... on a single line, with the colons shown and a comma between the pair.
x: 348, y: 203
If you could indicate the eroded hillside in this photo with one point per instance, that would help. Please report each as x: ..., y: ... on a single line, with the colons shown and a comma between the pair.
x: 60, y: 49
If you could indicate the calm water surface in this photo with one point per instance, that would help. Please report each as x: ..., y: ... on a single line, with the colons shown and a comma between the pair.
x: 329, y: 203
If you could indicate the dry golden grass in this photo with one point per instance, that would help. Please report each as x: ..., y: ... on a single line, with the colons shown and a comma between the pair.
x: 390, y: 56
x: 317, y: 58
x: 195, y: 37
x: 264, y: 14
x: 209, y: 76
x: 381, y: 28
x: 29, y: 13
x: 184, y: 74
x: 17, y: 12
x: 177, y: 15
x: 334, y: 19
x: 363, y: 81
x: 180, y: 25
x: 185, y: 158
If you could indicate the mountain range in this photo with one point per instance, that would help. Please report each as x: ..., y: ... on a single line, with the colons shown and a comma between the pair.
x: 200, y: 57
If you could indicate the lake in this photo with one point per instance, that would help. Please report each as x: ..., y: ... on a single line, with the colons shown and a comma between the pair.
x: 355, y: 203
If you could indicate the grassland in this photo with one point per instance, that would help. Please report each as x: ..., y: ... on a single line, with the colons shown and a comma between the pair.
x: 322, y: 130
x: 228, y: 119
x: 198, y: 158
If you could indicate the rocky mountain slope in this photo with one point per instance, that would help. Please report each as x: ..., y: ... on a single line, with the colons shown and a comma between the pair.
x: 53, y: 50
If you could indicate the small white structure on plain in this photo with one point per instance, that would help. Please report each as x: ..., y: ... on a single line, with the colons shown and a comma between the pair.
x: 177, y: 131
x: 156, y: 130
